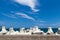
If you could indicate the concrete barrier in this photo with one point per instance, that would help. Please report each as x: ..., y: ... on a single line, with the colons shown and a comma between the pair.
x: 29, y: 37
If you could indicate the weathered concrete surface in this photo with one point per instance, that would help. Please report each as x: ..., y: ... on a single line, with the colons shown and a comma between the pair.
x: 31, y: 37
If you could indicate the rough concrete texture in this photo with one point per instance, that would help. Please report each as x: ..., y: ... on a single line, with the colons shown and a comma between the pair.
x: 31, y: 37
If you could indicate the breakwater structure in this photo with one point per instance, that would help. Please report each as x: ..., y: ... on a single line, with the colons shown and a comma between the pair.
x: 30, y: 37
x: 29, y: 34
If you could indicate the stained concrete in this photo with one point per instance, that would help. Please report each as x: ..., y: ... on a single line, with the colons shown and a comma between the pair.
x: 29, y: 37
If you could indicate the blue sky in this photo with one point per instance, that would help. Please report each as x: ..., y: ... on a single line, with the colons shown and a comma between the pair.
x: 29, y: 13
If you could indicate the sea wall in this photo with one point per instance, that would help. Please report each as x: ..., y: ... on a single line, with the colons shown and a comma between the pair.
x: 31, y: 37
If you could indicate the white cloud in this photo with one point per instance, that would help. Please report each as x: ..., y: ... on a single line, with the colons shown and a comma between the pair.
x: 42, y: 21
x: 31, y: 3
x: 2, y: 22
x: 25, y: 16
x: 9, y: 15
x: 56, y: 24
x: 17, y: 14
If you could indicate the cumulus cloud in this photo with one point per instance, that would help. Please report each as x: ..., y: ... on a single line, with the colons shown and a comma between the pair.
x: 31, y: 3
x: 25, y: 16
